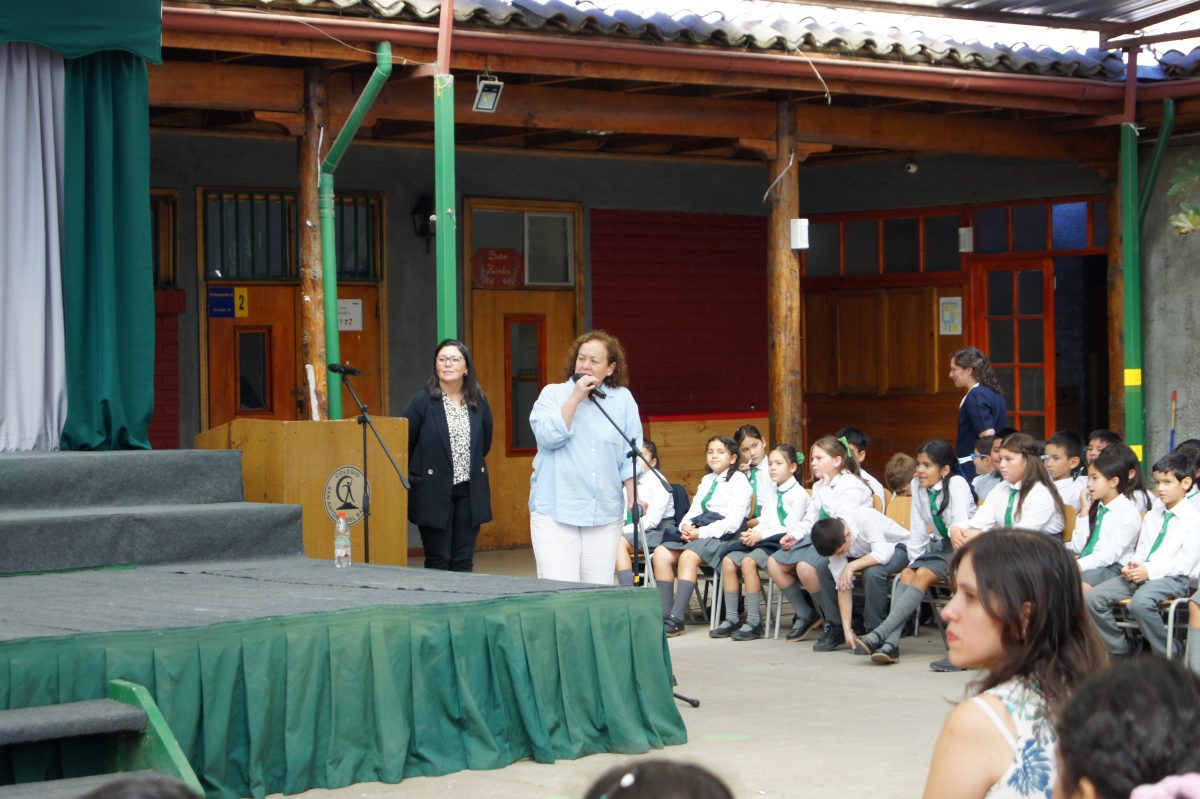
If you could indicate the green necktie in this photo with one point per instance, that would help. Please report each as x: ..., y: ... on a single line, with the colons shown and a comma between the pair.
x: 708, y: 496
x: 821, y: 514
x: 937, y: 517
x: 754, y: 491
x: 779, y: 509
x: 1012, y: 500
x: 1167, y: 517
x: 1094, y: 536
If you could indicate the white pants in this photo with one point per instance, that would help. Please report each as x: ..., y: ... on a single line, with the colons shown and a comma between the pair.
x: 574, y: 554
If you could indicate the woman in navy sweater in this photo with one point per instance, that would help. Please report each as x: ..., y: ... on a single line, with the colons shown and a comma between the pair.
x: 982, y: 411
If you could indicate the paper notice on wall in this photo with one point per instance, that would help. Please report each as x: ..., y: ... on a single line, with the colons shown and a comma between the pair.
x: 950, y: 316
x: 349, y: 315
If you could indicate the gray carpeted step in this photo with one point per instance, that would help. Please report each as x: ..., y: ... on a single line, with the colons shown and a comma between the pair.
x: 51, y: 480
x: 80, y: 538
x: 69, y: 720
x: 64, y: 789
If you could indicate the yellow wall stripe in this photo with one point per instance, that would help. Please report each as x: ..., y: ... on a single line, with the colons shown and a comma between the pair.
x: 1133, y: 377
x: 1137, y: 450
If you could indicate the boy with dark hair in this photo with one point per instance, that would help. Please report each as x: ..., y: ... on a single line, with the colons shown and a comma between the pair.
x: 987, y: 476
x: 863, y: 540
x: 858, y: 442
x: 1099, y: 440
x: 1167, y: 554
x: 1063, y: 458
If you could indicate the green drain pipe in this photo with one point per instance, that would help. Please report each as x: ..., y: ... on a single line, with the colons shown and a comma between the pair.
x: 1133, y: 213
x: 444, y: 196
x: 383, y: 69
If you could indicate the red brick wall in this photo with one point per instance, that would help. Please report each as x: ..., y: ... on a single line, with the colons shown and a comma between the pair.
x: 164, y: 424
x: 686, y: 295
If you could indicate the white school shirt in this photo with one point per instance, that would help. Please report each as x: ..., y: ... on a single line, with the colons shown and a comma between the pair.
x: 1179, y: 553
x: 731, y: 499
x: 844, y: 493
x: 1118, y: 535
x: 959, y: 511
x: 876, y: 487
x: 1071, y: 489
x: 872, y: 533
x: 795, y: 505
x: 1193, y: 497
x: 762, y: 485
x: 1038, y: 511
x: 660, y: 501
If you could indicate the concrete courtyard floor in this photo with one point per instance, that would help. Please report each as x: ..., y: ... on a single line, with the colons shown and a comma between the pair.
x: 775, y: 719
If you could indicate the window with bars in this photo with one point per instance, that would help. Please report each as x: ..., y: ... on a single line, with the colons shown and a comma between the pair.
x: 254, y: 235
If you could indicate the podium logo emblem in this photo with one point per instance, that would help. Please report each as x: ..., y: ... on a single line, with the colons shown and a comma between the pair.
x: 344, y: 492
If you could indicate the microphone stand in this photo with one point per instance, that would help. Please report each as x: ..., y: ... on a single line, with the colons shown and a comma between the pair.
x: 635, y: 453
x: 364, y: 421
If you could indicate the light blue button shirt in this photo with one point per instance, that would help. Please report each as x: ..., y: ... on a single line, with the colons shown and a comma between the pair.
x: 579, y: 472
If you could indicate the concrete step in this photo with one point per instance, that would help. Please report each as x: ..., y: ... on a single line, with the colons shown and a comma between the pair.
x: 93, y: 537
x: 40, y: 480
x: 64, y: 789
x: 69, y: 720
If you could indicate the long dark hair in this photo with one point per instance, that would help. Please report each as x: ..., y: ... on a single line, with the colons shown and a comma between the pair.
x: 1134, y: 481
x: 1035, y: 471
x: 472, y: 393
x: 1110, y: 463
x: 981, y: 368
x: 942, y: 455
x: 1029, y: 583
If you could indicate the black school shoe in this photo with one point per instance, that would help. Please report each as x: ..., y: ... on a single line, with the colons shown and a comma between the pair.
x: 803, y: 629
x: 832, y: 638
x: 673, y: 626
x: 724, y: 629
x: 865, y: 646
x: 749, y: 632
x: 886, y: 655
x: 943, y: 666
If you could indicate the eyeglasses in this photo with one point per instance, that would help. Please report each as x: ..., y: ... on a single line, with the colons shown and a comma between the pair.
x: 449, y: 360
x: 977, y: 456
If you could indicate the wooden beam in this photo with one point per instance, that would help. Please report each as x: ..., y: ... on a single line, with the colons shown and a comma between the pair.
x: 785, y: 301
x: 238, y: 87
x: 312, y: 290
x: 934, y: 133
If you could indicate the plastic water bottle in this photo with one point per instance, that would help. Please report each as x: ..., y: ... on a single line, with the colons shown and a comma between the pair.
x: 341, y: 542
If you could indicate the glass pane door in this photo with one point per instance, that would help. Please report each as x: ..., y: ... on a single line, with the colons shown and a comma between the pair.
x: 1019, y: 330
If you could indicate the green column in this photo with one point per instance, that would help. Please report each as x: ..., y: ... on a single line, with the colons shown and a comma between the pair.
x: 445, y: 194
x: 1131, y: 272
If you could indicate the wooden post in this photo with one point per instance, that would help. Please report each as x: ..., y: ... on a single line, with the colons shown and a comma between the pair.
x: 785, y: 347
x: 312, y: 292
x: 1116, y: 310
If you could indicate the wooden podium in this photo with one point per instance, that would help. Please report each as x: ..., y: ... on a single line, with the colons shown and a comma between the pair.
x: 318, y: 465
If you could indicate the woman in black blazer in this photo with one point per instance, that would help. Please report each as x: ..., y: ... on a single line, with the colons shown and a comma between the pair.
x: 449, y: 433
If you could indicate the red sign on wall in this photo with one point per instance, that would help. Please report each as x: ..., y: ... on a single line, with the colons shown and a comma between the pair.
x: 498, y: 268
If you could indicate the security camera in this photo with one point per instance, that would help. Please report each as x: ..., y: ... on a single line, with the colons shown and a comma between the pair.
x: 910, y: 166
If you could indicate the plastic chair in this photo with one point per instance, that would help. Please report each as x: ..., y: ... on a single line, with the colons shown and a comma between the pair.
x: 1069, y: 516
x: 899, y: 509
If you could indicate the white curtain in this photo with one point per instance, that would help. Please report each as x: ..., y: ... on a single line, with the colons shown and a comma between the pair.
x: 33, y: 377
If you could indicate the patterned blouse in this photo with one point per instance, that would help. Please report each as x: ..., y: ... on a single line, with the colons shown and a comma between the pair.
x: 459, y: 420
x: 1034, y: 767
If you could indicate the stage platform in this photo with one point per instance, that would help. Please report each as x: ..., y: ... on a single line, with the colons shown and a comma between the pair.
x: 284, y: 674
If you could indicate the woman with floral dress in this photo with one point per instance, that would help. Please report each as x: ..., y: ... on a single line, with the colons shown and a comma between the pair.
x: 1017, y: 613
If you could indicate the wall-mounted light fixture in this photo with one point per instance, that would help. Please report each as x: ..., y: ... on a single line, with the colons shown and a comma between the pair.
x: 799, y: 229
x: 423, y: 219
x: 966, y: 239
x: 487, y: 93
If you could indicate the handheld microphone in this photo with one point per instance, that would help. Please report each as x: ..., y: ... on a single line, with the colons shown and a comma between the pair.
x: 342, y: 369
x: 595, y: 392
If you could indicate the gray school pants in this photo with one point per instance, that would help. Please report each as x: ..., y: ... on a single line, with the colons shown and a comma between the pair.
x: 1143, y: 607
x: 877, y: 587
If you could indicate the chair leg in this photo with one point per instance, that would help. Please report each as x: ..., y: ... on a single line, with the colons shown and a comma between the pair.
x: 770, y: 596
x: 715, y: 602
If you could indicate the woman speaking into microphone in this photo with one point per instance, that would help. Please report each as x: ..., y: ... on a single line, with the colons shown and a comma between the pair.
x: 582, y: 476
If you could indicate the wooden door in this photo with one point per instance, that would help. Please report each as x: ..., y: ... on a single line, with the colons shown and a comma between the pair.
x: 360, y: 347
x: 252, y: 356
x: 519, y: 341
x: 1016, y: 309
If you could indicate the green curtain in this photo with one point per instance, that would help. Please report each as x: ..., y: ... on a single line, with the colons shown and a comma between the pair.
x: 75, y: 28
x: 108, y: 288
x: 373, y: 694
